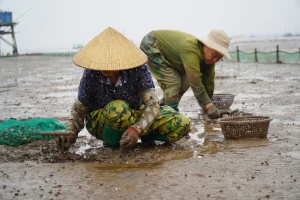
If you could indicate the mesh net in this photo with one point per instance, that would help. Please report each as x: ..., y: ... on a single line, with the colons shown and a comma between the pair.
x: 17, y: 132
x: 289, y: 57
x: 267, y: 57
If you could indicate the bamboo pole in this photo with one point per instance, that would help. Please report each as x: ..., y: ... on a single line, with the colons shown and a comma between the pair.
x: 277, y: 53
x: 237, y: 54
x: 255, y: 55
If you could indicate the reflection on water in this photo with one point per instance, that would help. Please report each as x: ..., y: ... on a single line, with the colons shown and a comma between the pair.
x: 212, y: 141
x: 216, y: 143
x: 107, y: 172
x: 143, y: 159
x: 215, y: 128
x: 137, y: 167
x: 196, y: 133
x: 118, y: 168
x: 202, y: 140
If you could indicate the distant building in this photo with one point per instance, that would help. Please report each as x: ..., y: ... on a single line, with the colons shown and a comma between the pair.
x: 288, y: 35
x: 77, y: 46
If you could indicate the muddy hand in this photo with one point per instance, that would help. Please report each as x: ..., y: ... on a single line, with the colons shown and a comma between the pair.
x: 69, y: 140
x: 213, y: 112
x: 228, y: 112
x: 129, y: 138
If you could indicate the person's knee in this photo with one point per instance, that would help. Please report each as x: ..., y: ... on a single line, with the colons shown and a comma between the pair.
x: 182, y: 129
x: 117, y: 105
x: 185, y: 122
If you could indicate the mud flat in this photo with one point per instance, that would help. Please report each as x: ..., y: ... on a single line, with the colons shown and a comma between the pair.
x: 201, y: 166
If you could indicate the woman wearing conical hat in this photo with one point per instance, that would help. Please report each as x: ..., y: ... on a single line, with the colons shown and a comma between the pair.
x: 117, y: 98
x: 179, y: 60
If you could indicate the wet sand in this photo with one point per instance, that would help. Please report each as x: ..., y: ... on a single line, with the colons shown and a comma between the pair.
x: 201, y: 166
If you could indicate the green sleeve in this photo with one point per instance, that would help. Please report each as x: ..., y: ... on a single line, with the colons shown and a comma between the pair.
x: 208, y: 79
x: 191, y: 63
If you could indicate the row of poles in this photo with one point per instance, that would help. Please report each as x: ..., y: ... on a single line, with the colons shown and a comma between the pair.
x: 255, y: 54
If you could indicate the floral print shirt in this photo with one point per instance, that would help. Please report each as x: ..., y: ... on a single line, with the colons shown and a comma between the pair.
x: 96, y: 90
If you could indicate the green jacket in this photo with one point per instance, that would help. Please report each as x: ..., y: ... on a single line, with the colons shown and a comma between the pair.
x: 185, y: 53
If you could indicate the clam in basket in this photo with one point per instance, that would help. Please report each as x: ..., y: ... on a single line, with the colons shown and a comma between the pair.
x: 223, y: 101
x: 245, y: 127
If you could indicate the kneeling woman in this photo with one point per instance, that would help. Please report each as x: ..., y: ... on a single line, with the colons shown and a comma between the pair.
x: 116, y: 96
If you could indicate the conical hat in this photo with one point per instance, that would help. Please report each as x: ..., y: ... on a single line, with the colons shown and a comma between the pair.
x: 110, y: 50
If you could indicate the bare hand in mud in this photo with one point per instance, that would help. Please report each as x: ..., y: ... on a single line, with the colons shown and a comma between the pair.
x: 129, y: 138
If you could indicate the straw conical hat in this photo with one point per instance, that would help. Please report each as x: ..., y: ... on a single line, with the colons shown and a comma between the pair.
x: 110, y: 50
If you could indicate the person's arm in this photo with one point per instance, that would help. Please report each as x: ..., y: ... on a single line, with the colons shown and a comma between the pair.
x: 78, y: 110
x: 209, y: 79
x: 76, y: 119
x: 147, y: 93
x: 133, y: 132
x: 191, y: 62
x: 151, y: 110
x: 75, y: 123
x: 146, y: 89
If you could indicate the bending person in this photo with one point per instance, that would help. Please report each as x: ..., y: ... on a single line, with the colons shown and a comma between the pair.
x: 178, y: 60
x: 117, y: 98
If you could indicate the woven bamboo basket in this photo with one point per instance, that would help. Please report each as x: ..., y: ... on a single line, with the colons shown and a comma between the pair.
x: 245, y: 127
x: 223, y: 101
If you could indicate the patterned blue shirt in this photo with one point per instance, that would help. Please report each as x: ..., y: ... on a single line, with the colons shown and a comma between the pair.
x: 96, y: 91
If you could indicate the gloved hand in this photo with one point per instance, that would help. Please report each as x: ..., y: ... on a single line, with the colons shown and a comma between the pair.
x: 129, y: 137
x: 225, y: 111
x: 228, y: 112
x: 64, y: 142
x: 213, y: 112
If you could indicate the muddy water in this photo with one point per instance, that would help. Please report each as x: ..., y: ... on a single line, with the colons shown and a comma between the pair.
x: 202, y: 165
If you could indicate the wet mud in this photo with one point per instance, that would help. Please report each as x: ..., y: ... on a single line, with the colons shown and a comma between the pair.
x: 203, y: 165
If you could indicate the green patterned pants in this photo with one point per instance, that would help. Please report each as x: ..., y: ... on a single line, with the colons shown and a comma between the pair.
x: 173, y: 83
x: 168, y: 126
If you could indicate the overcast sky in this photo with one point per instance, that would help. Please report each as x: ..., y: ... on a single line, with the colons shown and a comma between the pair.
x: 49, y: 25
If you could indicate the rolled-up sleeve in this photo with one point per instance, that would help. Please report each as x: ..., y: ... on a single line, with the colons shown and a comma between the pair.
x: 150, y: 112
x: 146, y: 91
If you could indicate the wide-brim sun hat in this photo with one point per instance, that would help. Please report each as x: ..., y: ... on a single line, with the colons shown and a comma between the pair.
x: 217, y: 40
x: 110, y: 50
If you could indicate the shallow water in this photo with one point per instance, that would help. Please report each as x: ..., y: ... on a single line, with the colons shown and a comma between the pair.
x: 201, y: 166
